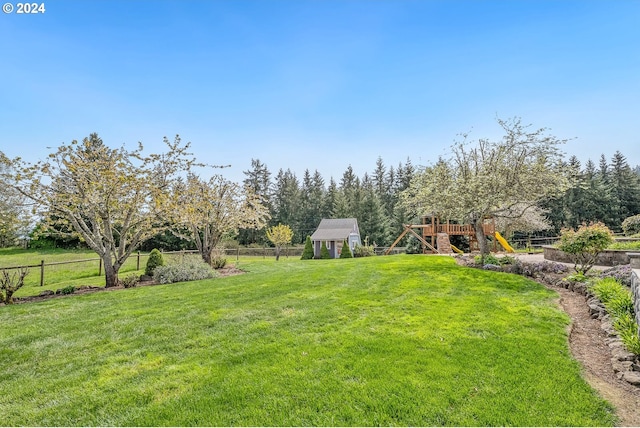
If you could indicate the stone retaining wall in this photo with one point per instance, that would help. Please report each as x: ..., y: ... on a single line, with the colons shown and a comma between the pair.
x: 635, y: 285
x: 605, y: 258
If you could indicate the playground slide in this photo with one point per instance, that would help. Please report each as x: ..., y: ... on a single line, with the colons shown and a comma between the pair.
x: 456, y: 249
x: 508, y: 248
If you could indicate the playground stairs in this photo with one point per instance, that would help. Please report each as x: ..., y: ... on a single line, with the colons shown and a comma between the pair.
x: 444, y: 245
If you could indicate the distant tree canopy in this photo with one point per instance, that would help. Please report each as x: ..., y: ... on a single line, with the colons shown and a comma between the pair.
x: 607, y: 191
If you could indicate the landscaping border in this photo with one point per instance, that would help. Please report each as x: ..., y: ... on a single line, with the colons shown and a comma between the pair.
x: 605, y: 258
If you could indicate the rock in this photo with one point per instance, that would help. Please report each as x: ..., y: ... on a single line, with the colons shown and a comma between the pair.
x: 632, y: 377
x: 580, y: 288
x: 621, y: 354
x: 46, y: 293
x: 594, y: 310
x: 621, y: 366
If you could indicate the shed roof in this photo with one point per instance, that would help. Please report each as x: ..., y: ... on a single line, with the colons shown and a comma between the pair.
x: 334, y: 229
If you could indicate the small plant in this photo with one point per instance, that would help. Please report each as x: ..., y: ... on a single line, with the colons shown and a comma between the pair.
x: 10, y: 283
x: 489, y: 259
x: 621, y: 273
x: 187, y: 269
x: 69, y: 289
x: 218, y: 259
x: 363, y: 251
x: 130, y: 281
x: 627, y: 328
x: 307, y: 254
x: 324, y: 251
x: 619, y: 304
x: 584, y: 244
x: 346, y: 251
x: 155, y: 260
x: 577, y: 277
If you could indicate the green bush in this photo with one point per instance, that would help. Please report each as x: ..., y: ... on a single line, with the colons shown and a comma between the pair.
x: 489, y: 259
x: 189, y: 268
x: 69, y: 289
x: 606, y: 289
x: 618, y: 302
x: 346, y: 251
x: 324, y: 251
x: 218, y: 259
x: 363, y: 251
x: 307, y: 254
x: 130, y: 281
x: 155, y: 260
x: 631, y: 225
x: 584, y: 244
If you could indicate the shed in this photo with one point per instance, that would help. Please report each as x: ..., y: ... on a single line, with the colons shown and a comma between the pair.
x: 334, y: 231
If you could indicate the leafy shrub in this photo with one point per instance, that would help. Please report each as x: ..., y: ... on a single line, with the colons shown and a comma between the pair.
x: 489, y: 259
x: 606, y: 289
x: 346, y: 251
x: 307, y: 254
x: 621, y: 273
x: 218, y: 259
x: 627, y: 328
x: 69, y: 289
x: 363, y: 251
x: 188, y: 268
x: 507, y: 260
x: 155, y: 260
x: 130, y: 281
x: 324, y: 251
x: 584, y: 244
x: 619, y: 304
x: 631, y: 225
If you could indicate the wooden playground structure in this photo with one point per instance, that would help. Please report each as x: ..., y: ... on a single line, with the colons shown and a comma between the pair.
x: 435, y: 235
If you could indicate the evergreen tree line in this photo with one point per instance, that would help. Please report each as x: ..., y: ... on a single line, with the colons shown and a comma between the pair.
x: 608, y: 193
x: 302, y: 202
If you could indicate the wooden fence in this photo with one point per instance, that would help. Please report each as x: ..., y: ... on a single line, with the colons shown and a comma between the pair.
x: 139, y: 259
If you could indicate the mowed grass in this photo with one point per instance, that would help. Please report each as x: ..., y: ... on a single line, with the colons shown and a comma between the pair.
x: 396, y: 340
x: 58, y: 276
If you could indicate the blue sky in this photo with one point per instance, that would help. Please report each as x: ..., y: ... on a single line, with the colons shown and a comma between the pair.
x: 319, y: 84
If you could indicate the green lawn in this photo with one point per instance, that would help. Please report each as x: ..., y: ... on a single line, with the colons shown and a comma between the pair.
x: 397, y: 340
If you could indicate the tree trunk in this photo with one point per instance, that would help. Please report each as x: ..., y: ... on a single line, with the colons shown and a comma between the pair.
x: 483, y: 245
x: 277, y: 253
x: 110, y: 273
x: 206, y: 256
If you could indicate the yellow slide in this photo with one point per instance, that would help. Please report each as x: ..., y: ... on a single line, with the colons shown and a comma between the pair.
x: 457, y: 250
x: 504, y: 243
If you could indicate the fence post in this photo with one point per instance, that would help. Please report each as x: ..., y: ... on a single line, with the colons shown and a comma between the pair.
x: 138, y: 262
x: 41, y: 273
x: 238, y: 254
x: 100, y: 267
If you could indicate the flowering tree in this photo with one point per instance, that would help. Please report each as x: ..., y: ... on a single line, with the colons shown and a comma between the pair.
x: 206, y: 211
x: 500, y: 179
x: 114, y: 199
x: 280, y: 236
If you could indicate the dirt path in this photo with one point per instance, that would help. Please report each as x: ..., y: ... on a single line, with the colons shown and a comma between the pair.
x: 587, y: 343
